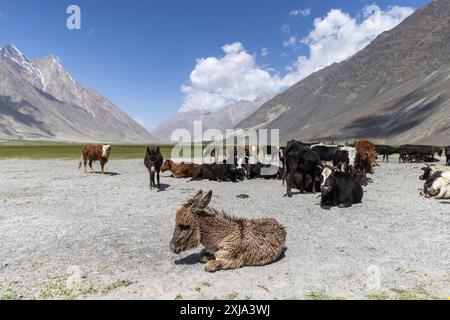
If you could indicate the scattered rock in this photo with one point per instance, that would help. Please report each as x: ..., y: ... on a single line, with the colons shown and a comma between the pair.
x: 75, y: 277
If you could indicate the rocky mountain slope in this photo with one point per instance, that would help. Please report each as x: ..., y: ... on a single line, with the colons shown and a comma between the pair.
x: 396, y: 90
x: 39, y: 100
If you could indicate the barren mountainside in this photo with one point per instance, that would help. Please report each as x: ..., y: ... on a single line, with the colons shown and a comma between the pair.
x: 39, y: 100
x: 396, y: 90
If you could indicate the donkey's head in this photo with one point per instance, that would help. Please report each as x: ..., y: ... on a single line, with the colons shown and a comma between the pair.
x: 186, y: 235
x: 153, y: 156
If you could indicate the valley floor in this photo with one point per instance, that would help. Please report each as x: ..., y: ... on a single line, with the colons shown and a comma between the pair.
x: 70, y: 235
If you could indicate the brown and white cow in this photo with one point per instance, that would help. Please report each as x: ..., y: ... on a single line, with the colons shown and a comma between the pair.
x: 95, y: 152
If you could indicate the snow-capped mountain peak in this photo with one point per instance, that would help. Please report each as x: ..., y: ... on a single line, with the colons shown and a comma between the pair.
x: 14, y: 54
x: 39, y: 99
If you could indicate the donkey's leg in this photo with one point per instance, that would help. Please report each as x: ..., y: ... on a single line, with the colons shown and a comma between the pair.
x: 90, y: 166
x: 152, y: 178
x: 216, y: 265
x: 205, y: 256
x: 157, y: 177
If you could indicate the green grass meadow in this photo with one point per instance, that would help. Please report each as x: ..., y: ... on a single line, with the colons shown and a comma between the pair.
x: 68, y: 151
x: 30, y: 150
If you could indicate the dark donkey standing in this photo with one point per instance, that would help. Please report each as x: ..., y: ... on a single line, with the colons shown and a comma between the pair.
x: 153, y: 161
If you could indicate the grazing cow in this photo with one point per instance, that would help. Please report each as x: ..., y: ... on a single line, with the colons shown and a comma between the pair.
x: 229, y: 243
x: 386, y: 151
x: 153, y: 161
x: 366, y: 158
x: 95, y: 152
x: 300, y: 158
x: 447, y: 155
x: 218, y: 172
x: 257, y: 171
x: 179, y: 170
x: 340, y: 189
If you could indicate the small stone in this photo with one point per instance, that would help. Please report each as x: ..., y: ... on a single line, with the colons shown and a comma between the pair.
x: 75, y: 277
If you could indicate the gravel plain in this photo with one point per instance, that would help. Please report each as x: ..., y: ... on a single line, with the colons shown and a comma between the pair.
x: 69, y: 235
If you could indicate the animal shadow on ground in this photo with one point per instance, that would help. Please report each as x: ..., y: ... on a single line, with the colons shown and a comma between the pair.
x: 325, y: 207
x: 329, y: 207
x: 193, y: 259
x: 163, y: 187
x: 189, y: 260
x: 298, y: 193
x: 111, y: 174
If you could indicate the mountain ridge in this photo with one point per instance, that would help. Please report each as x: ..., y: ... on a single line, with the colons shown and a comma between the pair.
x: 396, y: 90
x: 40, y: 100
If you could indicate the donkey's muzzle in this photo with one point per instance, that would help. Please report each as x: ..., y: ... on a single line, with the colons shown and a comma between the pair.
x: 174, y: 248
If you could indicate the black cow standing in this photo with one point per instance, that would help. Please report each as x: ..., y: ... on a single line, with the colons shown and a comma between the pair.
x: 299, y: 158
x: 333, y: 154
x: 386, y: 151
x: 153, y: 161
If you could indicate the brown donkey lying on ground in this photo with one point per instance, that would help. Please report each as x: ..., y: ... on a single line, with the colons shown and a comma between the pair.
x: 179, y: 170
x: 230, y: 243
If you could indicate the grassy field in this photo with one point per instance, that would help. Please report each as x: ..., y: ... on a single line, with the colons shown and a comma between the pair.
x: 67, y: 151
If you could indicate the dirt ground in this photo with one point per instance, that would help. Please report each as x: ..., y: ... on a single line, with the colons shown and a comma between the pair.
x: 69, y: 235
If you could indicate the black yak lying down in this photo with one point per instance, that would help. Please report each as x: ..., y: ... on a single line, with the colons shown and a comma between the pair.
x: 265, y: 171
x: 218, y: 172
x: 340, y: 189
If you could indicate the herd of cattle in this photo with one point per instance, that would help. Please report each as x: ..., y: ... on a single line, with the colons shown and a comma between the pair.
x: 337, y: 172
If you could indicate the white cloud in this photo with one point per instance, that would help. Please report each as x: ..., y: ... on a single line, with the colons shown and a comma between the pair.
x: 291, y: 42
x: 304, y: 13
x: 264, y: 52
x: 235, y: 76
x: 338, y: 36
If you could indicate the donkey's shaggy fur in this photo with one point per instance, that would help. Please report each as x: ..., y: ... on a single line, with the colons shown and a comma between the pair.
x: 229, y: 242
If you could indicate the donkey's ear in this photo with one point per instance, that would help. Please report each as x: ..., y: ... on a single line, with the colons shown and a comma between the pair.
x: 148, y: 149
x: 204, y: 201
x: 157, y: 149
x: 198, y: 195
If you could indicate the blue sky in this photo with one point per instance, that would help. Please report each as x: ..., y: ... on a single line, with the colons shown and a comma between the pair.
x: 140, y: 53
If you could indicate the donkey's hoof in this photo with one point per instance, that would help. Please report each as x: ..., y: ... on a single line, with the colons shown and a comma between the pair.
x: 212, y: 266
